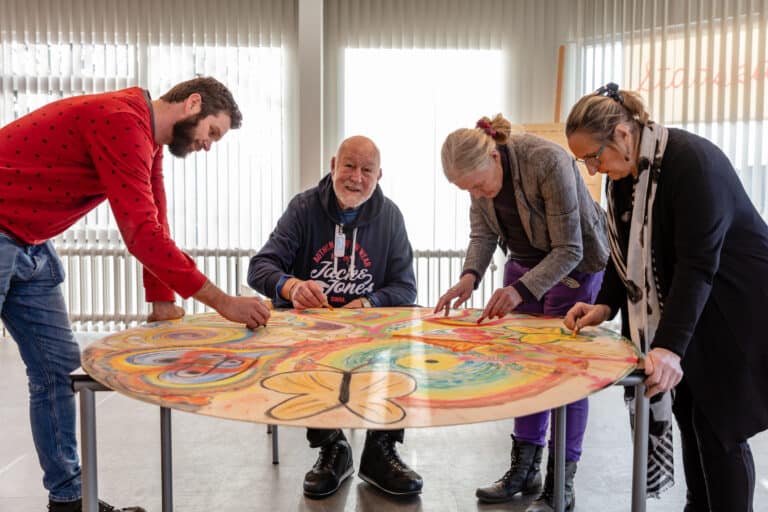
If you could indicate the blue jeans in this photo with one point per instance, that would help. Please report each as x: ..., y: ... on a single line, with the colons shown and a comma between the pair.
x: 32, y: 308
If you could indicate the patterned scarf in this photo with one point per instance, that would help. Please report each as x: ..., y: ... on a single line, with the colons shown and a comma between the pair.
x: 637, y: 269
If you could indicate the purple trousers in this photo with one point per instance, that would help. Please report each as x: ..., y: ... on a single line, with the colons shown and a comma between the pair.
x: 556, y: 302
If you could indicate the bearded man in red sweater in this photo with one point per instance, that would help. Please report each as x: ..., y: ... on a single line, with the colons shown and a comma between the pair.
x: 58, y: 163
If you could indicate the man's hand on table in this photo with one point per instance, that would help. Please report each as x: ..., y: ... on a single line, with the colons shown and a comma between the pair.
x: 251, y: 311
x: 162, y: 311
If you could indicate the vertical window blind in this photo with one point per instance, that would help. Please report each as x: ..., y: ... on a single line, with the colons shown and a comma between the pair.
x: 700, y: 65
x: 226, y: 199
x: 409, y: 72
x: 405, y: 72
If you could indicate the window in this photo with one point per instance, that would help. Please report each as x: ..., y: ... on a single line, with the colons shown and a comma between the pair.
x: 402, y: 98
x: 705, y: 77
x: 408, y: 101
x: 231, y: 196
x: 223, y: 203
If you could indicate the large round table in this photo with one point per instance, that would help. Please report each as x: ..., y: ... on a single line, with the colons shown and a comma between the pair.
x: 382, y: 368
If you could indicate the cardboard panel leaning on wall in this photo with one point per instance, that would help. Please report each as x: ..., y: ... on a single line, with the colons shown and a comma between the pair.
x: 556, y: 133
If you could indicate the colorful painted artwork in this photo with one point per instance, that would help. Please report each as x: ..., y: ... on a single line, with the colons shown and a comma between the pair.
x: 361, y: 368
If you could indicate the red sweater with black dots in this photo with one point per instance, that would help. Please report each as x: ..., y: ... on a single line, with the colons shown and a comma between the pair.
x: 60, y: 161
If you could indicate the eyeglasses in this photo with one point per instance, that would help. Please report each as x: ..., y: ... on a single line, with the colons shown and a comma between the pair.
x: 593, y: 161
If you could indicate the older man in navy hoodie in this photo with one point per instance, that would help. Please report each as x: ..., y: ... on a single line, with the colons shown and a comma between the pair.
x: 343, y: 243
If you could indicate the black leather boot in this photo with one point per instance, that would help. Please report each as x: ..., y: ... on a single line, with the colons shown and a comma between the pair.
x: 333, y: 466
x: 382, y: 467
x: 523, y: 476
x: 77, y: 506
x: 546, y: 500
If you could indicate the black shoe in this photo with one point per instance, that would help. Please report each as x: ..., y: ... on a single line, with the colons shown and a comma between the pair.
x: 546, y: 500
x: 77, y: 506
x: 333, y: 466
x: 691, y: 503
x: 524, y: 475
x: 382, y: 467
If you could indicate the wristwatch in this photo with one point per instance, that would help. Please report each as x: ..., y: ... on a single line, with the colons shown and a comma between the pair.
x: 364, y: 302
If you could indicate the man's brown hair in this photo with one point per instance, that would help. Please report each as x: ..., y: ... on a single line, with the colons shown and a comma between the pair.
x: 215, y: 96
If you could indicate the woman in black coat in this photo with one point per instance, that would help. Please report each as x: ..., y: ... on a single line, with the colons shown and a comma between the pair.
x: 689, y: 271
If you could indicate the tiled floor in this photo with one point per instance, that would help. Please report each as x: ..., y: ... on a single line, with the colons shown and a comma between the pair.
x: 226, y: 466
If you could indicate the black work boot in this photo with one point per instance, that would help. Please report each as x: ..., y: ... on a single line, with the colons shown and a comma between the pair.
x: 546, y: 500
x: 523, y: 476
x: 333, y: 466
x: 77, y: 506
x: 382, y: 467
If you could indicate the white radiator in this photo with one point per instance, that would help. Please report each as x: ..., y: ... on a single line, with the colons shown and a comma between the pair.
x: 104, y: 289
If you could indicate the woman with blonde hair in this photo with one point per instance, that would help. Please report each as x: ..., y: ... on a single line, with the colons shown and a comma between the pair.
x: 689, y: 273
x: 529, y: 198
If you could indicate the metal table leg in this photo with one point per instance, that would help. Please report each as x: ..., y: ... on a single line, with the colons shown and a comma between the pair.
x: 559, y: 444
x: 166, y: 459
x: 275, y: 454
x: 640, y: 445
x: 640, y: 465
x: 88, y: 442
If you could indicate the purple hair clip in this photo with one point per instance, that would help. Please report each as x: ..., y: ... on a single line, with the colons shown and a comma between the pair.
x: 486, y: 127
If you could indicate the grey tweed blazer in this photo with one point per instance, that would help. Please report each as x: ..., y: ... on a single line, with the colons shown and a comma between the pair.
x: 558, y: 215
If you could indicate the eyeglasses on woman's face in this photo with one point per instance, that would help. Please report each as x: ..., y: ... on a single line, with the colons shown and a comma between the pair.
x: 593, y: 161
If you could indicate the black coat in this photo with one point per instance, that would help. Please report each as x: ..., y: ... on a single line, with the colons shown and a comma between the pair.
x: 711, y: 251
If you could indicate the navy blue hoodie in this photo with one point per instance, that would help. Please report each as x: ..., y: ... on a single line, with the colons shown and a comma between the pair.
x: 302, y: 245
